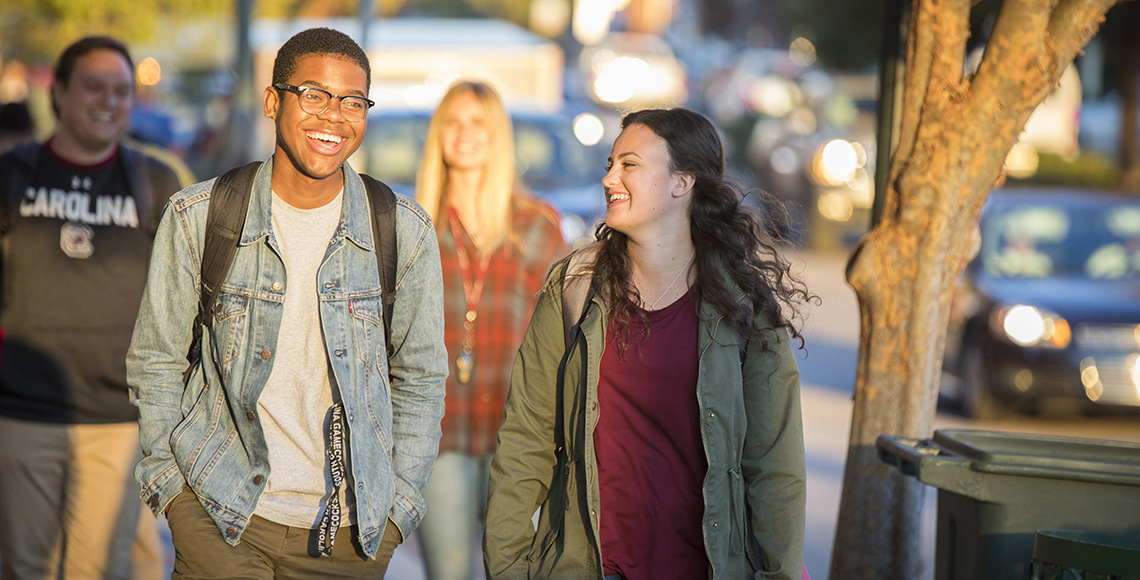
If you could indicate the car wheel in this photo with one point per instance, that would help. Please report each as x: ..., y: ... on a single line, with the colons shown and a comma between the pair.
x: 978, y: 401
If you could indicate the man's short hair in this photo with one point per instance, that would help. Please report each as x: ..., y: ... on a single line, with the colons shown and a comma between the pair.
x: 66, y: 63
x: 318, y: 41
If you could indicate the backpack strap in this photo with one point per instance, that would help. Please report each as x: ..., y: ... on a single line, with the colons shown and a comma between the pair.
x: 136, y: 166
x: 576, y: 283
x: 17, y: 169
x: 576, y: 294
x: 383, y: 203
x: 225, y: 218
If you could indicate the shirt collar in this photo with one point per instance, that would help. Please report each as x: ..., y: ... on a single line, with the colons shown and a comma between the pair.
x: 355, y: 219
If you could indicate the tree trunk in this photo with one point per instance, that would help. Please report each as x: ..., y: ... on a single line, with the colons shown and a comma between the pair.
x: 1125, y: 45
x: 955, y: 133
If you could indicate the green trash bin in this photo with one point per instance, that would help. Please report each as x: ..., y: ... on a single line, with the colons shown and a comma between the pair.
x: 995, y: 490
x: 1076, y: 555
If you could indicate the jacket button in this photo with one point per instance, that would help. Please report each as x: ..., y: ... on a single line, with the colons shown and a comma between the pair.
x: 251, y: 415
x: 341, y: 352
x: 711, y: 415
x: 715, y: 524
x: 265, y: 354
x: 257, y: 479
x: 277, y: 286
x: 153, y: 501
x: 218, y: 309
x: 231, y: 532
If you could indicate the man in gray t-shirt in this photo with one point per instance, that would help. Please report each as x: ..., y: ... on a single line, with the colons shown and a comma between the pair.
x: 299, y: 447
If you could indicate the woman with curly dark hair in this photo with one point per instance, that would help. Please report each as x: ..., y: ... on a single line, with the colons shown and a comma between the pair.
x: 654, y: 411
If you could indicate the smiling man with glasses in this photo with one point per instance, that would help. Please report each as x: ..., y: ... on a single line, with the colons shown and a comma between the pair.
x: 299, y: 443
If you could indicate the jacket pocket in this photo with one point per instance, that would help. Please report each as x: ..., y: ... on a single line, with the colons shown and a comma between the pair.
x: 190, y: 437
x: 736, y: 490
x: 544, y: 538
x: 230, y: 319
x: 367, y: 330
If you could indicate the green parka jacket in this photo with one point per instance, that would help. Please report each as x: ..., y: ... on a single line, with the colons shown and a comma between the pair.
x: 751, y: 428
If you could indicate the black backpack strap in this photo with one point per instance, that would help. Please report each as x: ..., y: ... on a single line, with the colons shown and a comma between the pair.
x: 383, y: 203
x: 136, y: 166
x: 225, y: 218
x: 17, y: 169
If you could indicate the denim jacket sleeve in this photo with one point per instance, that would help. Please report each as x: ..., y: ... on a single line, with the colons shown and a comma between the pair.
x: 157, y: 355
x: 773, y: 460
x: 417, y: 365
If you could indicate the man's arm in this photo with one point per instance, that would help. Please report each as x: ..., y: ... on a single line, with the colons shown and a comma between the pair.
x: 156, y: 359
x: 417, y: 369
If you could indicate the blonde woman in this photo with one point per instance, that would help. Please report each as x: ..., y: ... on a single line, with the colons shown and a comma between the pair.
x: 496, y: 243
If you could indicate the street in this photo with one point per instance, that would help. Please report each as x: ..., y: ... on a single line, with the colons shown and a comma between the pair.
x: 828, y: 374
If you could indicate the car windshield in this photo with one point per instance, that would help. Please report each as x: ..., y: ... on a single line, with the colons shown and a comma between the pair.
x: 547, y: 154
x: 1054, y: 241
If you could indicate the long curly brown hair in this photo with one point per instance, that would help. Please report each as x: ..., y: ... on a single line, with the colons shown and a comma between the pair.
x: 732, y: 243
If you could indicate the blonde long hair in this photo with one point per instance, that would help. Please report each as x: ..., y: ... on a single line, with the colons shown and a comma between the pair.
x: 493, y: 201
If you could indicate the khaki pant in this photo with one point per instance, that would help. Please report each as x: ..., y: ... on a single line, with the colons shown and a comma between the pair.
x: 68, y: 502
x: 267, y: 550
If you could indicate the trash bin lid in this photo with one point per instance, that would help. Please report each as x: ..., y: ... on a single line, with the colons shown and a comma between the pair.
x: 1102, y: 553
x: 1051, y: 456
x: 946, y: 458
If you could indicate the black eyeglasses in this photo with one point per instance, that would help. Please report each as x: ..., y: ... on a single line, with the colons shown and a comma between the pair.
x: 315, y: 101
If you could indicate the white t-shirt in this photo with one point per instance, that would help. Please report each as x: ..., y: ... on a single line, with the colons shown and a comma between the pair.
x: 294, y: 406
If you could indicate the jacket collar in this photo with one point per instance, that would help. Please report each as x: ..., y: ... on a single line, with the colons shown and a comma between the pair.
x: 355, y: 218
x: 707, y: 310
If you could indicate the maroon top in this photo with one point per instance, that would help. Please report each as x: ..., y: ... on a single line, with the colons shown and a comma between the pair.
x: 651, y: 464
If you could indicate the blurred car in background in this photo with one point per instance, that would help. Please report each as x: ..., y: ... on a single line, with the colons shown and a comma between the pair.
x: 630, y: 71
x: 559, y: 156
x: 813, y: 145
x: 1049, y: 310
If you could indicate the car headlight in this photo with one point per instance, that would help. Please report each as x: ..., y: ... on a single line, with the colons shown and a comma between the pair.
x: 835, y: 163
x: 588, y: 128
x: 1031, y: 326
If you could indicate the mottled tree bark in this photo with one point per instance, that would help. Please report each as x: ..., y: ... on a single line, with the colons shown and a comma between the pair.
x: 954, y: 136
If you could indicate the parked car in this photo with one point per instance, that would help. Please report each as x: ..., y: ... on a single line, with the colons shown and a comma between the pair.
x: 1049, y: 310
x: 554, y: 155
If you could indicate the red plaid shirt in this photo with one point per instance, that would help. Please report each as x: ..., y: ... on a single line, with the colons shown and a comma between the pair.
x: 514, y: 276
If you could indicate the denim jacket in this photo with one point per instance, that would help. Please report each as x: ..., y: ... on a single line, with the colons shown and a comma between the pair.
x: 751, y: 428
x: 206, y: 434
